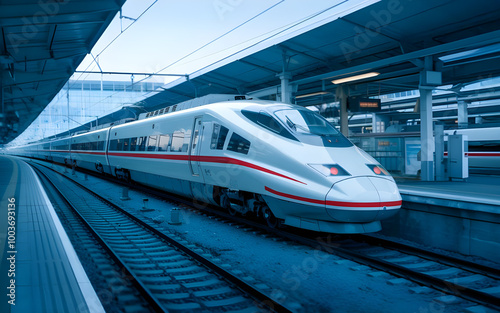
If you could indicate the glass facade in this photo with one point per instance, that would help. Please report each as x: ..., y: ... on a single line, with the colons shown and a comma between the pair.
x: 84, y: 100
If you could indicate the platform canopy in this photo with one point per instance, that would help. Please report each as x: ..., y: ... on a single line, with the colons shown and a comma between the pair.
x: 394, y: 38
x: 42, y: 43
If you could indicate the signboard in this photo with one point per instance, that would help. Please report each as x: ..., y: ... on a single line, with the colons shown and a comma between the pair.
x: 364, y: 104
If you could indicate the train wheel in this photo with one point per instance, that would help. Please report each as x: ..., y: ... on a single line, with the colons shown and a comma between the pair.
x: 271, y: 220
x: 225, y: 203
x: 231, y: 210
x: 126, y: 176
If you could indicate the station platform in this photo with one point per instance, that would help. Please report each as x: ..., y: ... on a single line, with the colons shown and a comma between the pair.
x: 48, y: 274
x: 458, y: 216
x: 483, y: 192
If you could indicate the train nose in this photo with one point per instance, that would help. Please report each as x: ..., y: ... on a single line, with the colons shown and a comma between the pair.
x: 362, y: 199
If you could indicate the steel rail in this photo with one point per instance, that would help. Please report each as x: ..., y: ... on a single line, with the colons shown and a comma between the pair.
x: 150, y: 298
x: 263, y: 299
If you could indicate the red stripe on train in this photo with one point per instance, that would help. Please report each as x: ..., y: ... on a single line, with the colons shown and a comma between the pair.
x: 207, y: 159
x: 337, y: 203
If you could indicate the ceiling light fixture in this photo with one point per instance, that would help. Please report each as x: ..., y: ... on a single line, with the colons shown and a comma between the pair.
x: 319, y: 93
x: 356, y: 77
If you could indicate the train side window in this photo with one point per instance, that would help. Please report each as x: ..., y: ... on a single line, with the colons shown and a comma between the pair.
x: 219, y: 135
x: 119, y: 145
x: 490, y: 146
x: 133, y: 144
x: 152, y: 143
x: 100, y: 145
x: 141, y: 143
x: 222, y: 137
x: 112, y: 144
x: 164, y: 142
x: 187, y: 139
x: 177, y: 141
x: 215, y: 136
x: 126, y: 144
x: 238, y: 144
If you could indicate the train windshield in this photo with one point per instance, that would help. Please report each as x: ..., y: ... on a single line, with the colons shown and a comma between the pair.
x: 309, y: 126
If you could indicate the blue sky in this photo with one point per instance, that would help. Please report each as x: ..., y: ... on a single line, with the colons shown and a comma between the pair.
x: 171, y: 29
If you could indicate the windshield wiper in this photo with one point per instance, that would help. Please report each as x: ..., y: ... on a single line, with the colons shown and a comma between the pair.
x: 294, y: 126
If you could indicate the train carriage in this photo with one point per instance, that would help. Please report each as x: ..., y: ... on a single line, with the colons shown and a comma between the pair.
x: 282, y: 162
x: 88, y: 150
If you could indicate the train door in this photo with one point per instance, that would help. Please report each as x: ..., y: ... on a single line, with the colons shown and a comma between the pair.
x: 194, y: 149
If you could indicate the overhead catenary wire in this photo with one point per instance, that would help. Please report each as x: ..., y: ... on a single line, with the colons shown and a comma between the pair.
x: 279, y: 30
x: 94, y: 62
x: 223, y: 35
x: 193, y: 52
x: 273, y: 33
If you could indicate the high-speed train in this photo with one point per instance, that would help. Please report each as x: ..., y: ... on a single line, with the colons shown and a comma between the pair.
x: 282, y: 162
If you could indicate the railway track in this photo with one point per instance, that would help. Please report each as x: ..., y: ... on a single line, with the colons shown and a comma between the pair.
x: 170, y: 276
x: 453, y: 276
x: 107, y: 276
x: 456, y: 277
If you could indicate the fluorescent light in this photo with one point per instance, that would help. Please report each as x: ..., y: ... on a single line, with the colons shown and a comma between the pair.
x: 312, y: 94
x: 356, y: 77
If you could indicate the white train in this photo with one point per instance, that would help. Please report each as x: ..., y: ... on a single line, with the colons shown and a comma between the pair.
x: 483, y: 148
x: 279, y: 161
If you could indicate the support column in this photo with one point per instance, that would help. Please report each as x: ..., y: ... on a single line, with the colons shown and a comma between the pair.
x: 463, y: 116
x: 426, y: 135
x: 286, y: 88
x: 429, y: 79
x: 341, y: 94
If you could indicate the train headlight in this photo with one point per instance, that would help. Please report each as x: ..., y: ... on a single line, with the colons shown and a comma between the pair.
x: 378, y: 170
x: 330, y: 169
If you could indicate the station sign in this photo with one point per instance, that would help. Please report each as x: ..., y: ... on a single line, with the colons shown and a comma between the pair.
x: 357, y: 104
